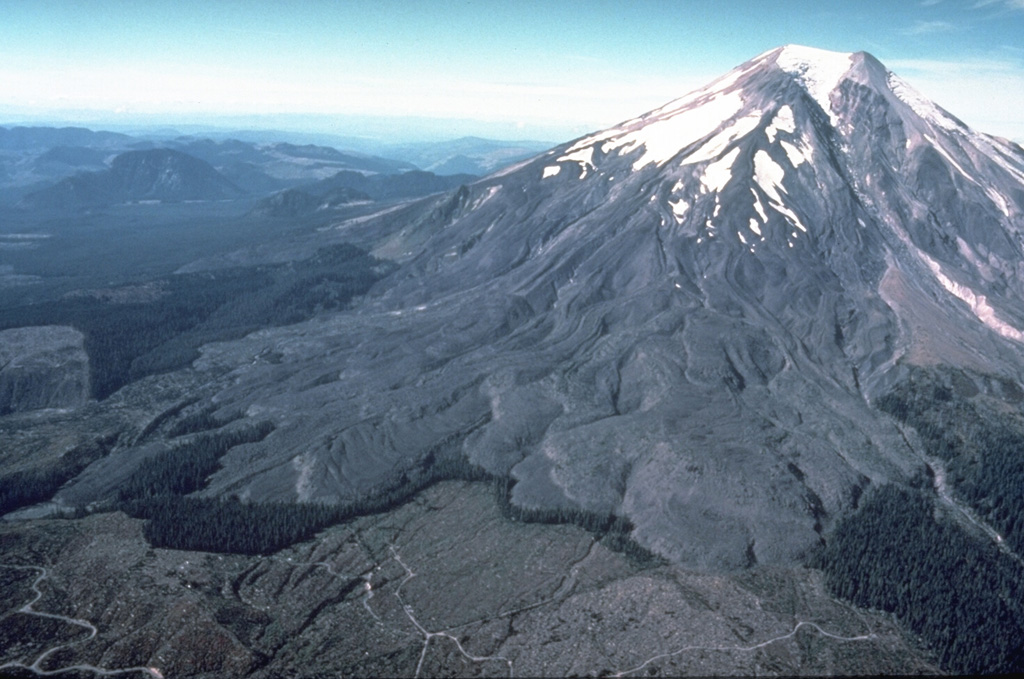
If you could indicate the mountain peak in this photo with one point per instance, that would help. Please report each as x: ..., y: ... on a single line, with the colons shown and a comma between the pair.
x: 813, y: 66
x: 818, y: 71
x: 735, y: 103
x: 809, y: 55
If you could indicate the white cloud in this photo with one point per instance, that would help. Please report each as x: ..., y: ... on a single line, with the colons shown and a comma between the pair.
x: 1008, y: 4
x: 587, y: 104
x: 928, y: 27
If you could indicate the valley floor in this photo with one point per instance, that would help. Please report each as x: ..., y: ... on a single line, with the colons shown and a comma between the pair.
x: 442, y: 585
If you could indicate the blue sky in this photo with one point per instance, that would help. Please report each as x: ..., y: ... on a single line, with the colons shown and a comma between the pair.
x: 550, y: 70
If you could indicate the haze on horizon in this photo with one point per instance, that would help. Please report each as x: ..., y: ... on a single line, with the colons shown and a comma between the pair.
x: 439, y: 70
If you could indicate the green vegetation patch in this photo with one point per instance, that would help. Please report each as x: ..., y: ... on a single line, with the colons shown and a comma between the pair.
x: 960, y: 593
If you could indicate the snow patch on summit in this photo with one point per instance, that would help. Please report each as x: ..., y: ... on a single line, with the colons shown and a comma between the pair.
x: 679, y: 209
x: 786, y: 212
x: 759, y: 207
x: 768, y: 175
x: 585, y: 157
x: 819, y: 71
x: 721, y: 141
x: 795, y: 155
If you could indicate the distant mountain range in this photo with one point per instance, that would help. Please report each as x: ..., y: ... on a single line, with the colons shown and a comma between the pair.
x: 271, y: 166
x: 296, y: 203
x: 467, y: 155
x: 151, y: 175
x: 50, y: 166
x: 347, y: 187
x: 42, y: 138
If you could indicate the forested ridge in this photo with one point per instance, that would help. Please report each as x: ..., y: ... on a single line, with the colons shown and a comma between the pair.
x: 185, y: 468
x: 28, y: 487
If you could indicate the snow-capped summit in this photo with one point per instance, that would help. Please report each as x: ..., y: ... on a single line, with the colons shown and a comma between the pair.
x: 728, y: 108
x: 768, y: 117
x: 801, y: 58
x: 819, y: 71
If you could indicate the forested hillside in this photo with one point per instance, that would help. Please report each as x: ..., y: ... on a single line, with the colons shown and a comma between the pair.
x: 961, y: 594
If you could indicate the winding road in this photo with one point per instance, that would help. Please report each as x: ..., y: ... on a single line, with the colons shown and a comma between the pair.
x: 427, y: 635
x: 37, y: 665
x: 790, y: 635
x: 566, y: 589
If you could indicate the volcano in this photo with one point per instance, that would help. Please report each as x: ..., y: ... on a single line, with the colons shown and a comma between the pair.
x: 682, y: 320
x: 690, y: 321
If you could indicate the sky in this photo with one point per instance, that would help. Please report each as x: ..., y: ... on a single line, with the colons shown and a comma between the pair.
x: 550, y: 70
